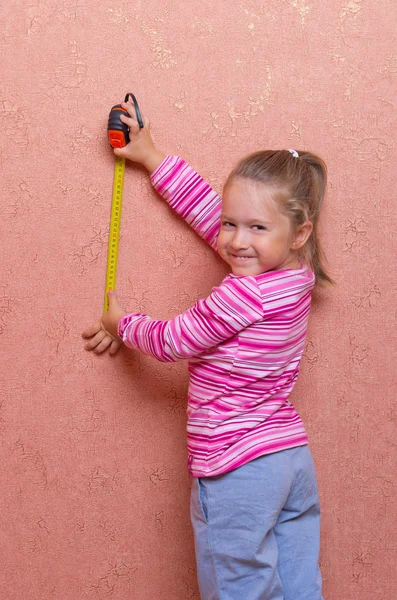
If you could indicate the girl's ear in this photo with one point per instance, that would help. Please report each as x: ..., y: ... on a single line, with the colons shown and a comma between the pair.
x: 301, y: 235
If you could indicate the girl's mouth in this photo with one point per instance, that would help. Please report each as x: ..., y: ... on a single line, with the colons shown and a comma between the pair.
x: 239, y: 258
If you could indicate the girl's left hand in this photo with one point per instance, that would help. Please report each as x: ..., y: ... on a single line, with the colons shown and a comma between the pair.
x: 103, y: 333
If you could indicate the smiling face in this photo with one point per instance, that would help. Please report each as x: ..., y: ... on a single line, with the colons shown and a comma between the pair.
x: 255, y: 236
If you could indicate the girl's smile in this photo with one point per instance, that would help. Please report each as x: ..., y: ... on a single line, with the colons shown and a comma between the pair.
x: 243, y: 258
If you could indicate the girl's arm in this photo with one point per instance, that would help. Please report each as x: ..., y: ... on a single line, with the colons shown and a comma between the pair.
x: 231, y: 307
x: 190, y: 196
x: 184, y: 189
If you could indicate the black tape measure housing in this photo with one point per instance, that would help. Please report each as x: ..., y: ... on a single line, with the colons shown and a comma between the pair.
x: 118, y: 132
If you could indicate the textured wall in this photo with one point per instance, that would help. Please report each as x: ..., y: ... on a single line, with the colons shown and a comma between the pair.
x: 94, y: 490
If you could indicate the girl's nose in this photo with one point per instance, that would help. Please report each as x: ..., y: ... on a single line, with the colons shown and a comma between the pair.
x: 239, y: 240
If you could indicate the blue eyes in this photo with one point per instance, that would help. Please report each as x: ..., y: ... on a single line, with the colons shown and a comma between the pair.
x: 255, y: 227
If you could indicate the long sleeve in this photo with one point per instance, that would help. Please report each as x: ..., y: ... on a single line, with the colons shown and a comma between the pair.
x: 190, y: 196
x: 231, y: 307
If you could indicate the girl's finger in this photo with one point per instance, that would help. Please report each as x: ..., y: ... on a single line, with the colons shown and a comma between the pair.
x: 132, y: 123
x: 97, y: 339
x: 114, y: 347
x: 103, y: 345
x: 130, y: 108
x: 92, y: 330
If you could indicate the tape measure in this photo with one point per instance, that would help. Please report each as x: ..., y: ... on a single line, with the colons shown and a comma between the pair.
x: 114, y: 230
x: 118, y: 134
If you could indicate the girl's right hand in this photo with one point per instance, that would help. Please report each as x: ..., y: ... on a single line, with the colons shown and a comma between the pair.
x: 141, y: 148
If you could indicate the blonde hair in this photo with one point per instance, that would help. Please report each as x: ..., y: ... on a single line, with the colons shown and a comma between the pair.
x: 300, y: 183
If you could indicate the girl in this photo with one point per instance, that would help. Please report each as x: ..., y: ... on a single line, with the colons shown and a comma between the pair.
x: 254, y: 500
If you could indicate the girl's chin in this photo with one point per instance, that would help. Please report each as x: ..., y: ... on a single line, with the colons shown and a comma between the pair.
x: 243, y: 270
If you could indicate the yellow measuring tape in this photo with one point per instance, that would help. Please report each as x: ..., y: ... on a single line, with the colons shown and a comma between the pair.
x: 114, y: 229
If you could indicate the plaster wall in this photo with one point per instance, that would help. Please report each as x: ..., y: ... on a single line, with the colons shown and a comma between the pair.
x: 94, y: 490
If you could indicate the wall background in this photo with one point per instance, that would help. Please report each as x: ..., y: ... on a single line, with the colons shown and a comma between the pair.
x: 94, y: 490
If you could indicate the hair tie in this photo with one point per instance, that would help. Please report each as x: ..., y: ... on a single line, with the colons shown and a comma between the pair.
x: 294, y: 153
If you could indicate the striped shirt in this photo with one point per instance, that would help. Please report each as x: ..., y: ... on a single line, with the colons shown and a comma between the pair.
x: 243, y: 344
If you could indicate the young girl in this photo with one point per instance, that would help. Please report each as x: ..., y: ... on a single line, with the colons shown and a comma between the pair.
x: 254, y: 500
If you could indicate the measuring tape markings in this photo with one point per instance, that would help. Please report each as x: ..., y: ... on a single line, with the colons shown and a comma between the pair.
x: 114, y: 229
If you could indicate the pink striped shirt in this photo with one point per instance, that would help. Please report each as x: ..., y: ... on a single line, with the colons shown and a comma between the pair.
x: 244, y: 344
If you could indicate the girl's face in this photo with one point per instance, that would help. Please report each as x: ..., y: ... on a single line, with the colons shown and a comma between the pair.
x: 255, y: 236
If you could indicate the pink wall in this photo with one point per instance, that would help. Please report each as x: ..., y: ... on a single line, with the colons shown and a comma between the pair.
x: 94, y: 500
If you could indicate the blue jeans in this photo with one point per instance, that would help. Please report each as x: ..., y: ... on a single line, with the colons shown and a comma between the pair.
x: 257, y: 530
